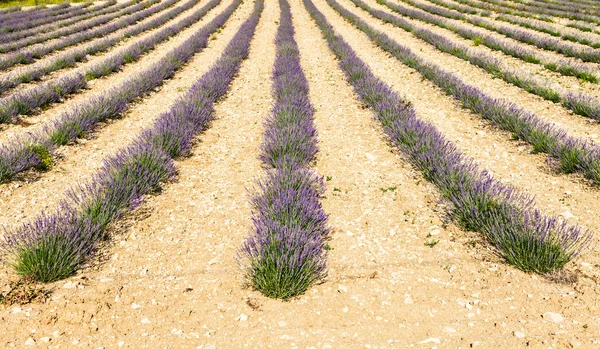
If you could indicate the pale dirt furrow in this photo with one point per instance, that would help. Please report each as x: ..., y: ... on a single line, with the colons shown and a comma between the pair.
x: 172, y: 278
x: 566, y: 82
x: 34, y: 122
x: 23, y: 200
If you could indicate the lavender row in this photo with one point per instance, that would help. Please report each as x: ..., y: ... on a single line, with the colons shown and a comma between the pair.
x: 562, y: 66
x: 98, y: 19
x: 26, y: 101
x: 569, y: 154
x: 586, y: 54
x: 54, y: 246
x: 535, y: 6
x: 582, y: 27
x: 36, y: 15
x: 21, y: 24
x: 454, y: 6
x: 285, y: 252
x: 10, y: 11
x: 136, y: 13
x: 35, y: 151
x: 102, y: 9
x: 497, y: 6
x: 579, y: 103
x: 523, y: 235
x: 13, y: 12
x: 469, y: 7
x: 543, y: 27
x: 71, y: 57
x: 571, y: 12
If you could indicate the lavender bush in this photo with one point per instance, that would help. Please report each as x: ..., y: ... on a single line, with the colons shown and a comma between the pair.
x: 285, y: 253
x: 84, y: 117
x: 523, y: 235
x: 56, y: 245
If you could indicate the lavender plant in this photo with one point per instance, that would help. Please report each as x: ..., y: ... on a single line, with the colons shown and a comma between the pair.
x: 54, y: 246
x: 84, y: 117
x: 524, y: 236
x: 285, y: 252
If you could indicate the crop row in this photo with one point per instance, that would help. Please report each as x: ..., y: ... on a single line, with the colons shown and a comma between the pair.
x: 285, y: 252
x: 579, y: 103
x: 48, y: 13
x: 23, y: 24
x: 534, y: 6
x: 523, y: 235
x: 137, y: 12
x: 17, y: 13
x: 550, y: 29
x: 469, y: 8
x: 26, y: 101
x: 98, y: 19
x: 102, y: 9
x: 572, y: 12
x: 55, y: 246
x: 36, y: 150
x: 586, y: 54
x: 523, y: 22
x: 71, y: 57
x: 8, y: 12
x: 562, y: 66
x: 542, y: 14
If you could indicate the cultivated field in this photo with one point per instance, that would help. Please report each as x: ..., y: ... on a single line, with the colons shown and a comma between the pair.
x: 300, y: 174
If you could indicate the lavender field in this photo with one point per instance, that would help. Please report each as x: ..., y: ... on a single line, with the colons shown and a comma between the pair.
x: 300, y: 174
